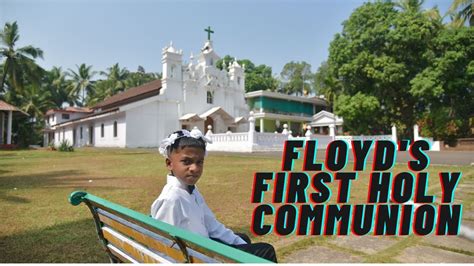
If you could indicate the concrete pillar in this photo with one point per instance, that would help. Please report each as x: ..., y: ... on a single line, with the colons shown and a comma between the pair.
x: 331, y: 131
x: 2, y: 126
x: 209, y: 130
x: 394, y: 134
x: 261, y: 125
x: 285, y: 129
x: 251, y: 128
x: 9, y: 127
x: 308, y: 133
x: 416, y: 134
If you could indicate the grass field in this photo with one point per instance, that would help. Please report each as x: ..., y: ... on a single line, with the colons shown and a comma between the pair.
x: 39, y: 225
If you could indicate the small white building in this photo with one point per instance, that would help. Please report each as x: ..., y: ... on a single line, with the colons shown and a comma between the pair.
x: 196, y: 94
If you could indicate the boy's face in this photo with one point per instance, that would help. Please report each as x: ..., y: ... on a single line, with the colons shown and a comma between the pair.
x: 186, y: 164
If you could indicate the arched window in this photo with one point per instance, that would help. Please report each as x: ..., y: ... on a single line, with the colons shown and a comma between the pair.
x: 102, y: 130
x: 115, y: 129
x: 172, y: 70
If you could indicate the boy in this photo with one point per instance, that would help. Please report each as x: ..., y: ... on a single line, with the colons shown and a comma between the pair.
x: 180, y: 202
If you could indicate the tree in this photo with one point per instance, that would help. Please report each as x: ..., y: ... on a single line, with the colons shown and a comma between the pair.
x: 141, y: 77
x: 118, y: 77
x: 410, y: 5
x: 57, y: 85
x: 256, y: 77
x: 461, y: 10
x: 376, y: 56
x: 446, y: 87
x: 325, y: 84
x: 19, y: 64
x: 35, y: 101
x: 81, y: 83
x: 297, y: 77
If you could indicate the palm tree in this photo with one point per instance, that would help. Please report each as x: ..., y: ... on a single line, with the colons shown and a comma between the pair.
x: 35, y: 101
x: 58, y: 86
x: 81, y: 83
x: 141, y: 77
x: 19, y: 64
x: 118, y: 76
x: 461, y: 10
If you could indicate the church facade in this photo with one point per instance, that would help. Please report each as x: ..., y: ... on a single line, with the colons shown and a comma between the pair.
x: 196, y: 94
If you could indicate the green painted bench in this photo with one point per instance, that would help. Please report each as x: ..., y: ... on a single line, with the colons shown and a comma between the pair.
x: 130, y: 236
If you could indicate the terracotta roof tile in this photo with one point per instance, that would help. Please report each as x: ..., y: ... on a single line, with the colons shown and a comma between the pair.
x: 131, y: 95
x: 70, y: 110
x: 7, y: 107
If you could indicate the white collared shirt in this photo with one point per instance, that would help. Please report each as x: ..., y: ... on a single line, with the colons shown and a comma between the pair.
x: 189, y: 211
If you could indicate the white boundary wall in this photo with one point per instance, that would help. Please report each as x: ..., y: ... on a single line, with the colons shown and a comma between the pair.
x: 255, y: 141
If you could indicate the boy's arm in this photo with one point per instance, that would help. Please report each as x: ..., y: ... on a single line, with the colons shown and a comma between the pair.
x: 218, y: 230
x: 168, y: 211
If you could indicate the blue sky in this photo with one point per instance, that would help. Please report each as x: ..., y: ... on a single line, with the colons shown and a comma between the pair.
x: 103, y: 32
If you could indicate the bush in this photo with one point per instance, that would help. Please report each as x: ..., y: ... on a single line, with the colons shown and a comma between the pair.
x: 65, y: 146
x: 51, y: 146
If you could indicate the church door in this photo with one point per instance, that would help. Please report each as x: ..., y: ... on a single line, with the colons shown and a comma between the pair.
x: 208, y: 122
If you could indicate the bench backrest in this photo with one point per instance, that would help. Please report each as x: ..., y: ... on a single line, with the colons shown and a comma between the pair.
x: 130, y: 236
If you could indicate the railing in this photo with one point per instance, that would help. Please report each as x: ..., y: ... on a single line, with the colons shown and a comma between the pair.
x: 229, y: 137
x: 375, y: 137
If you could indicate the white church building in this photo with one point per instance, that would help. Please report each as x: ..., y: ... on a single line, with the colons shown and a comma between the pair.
x: 197, y: 94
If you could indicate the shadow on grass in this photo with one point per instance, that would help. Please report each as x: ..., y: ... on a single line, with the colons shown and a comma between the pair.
x: 72, y: 242
x: 63, y: 178
x: 13, y: 199
x: 3, y: 171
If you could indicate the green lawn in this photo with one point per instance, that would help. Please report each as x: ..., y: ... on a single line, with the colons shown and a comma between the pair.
x: 39, y: 225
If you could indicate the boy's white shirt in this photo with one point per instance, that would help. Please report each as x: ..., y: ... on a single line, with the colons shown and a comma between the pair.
x: 189, y: 211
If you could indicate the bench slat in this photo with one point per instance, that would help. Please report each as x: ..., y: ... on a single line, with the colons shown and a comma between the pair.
x: 144, y: 239
x: 131, y: 248
x: 150, y: 239
x: 120, y: 255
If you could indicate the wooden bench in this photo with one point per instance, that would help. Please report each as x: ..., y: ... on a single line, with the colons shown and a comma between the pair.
x: 130, y: 236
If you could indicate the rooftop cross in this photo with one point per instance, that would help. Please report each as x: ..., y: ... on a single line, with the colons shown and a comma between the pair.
x: 209, y: 31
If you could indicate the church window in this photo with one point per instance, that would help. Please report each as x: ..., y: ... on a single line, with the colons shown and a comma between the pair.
x: 173, y: 67
x: 210, y: 97
x: 211, y: 62
x: 80, y: 132
x: 238, y: 80
x: 115, y: 129
x: 102, y: 130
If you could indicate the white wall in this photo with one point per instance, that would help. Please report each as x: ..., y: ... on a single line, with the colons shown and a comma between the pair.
x: 108, y: 140
x: 148, y: 124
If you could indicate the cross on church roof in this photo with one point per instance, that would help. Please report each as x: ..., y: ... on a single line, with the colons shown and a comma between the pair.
x: 209, y: 31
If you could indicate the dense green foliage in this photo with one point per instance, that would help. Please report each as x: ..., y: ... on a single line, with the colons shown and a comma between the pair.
x: 394, y: 64
x: 256, y: 77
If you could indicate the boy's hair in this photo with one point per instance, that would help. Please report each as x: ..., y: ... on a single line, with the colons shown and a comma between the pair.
x: 185, y: 141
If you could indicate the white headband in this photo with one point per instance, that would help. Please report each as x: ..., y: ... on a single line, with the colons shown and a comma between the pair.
x: 165, y: 143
